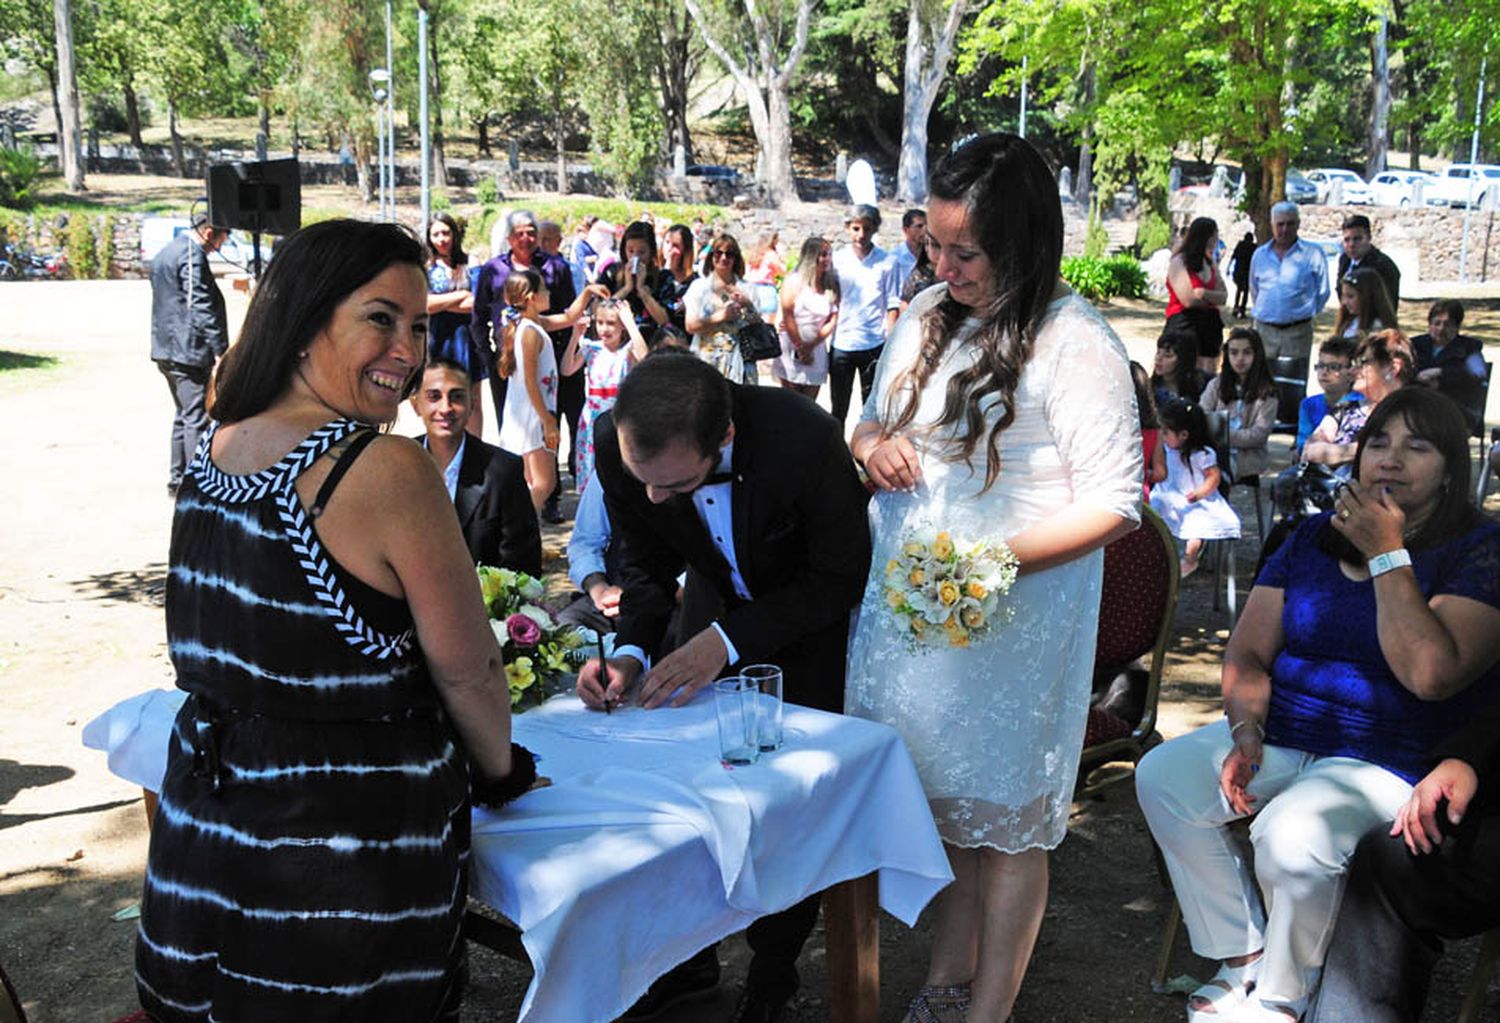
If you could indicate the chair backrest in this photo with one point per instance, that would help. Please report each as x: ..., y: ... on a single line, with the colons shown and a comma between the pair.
x: 1290, y: 374
x: 1137, y: 603
x: 1218, y: 432
x: 1476, y: 415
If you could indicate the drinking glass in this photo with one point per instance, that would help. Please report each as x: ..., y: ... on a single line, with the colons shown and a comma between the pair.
x: 735, y: 704
x: 767, y: 681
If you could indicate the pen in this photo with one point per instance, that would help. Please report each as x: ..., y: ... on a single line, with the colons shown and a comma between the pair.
x: 604, y: 671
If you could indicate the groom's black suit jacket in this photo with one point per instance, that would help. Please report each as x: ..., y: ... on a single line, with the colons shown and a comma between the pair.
x: 801, y: 540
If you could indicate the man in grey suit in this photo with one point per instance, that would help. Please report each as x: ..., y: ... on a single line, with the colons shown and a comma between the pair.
x: 189, y: 332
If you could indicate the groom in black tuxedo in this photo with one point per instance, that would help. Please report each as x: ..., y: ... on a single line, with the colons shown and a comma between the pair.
x: 753, y: 490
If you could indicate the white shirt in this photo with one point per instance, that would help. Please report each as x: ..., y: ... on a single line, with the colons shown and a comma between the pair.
x: 906, y: 262
x: 868, y: 289
x: 450, y: 473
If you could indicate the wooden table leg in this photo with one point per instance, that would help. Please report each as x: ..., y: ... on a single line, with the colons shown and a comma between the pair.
x: 851, y: 917
x: 149, y: 798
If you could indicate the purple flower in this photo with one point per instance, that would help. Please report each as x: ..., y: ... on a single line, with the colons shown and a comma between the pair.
x: 522, y: 630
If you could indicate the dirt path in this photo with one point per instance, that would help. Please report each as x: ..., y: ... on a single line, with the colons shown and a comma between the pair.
x: 82, y: 554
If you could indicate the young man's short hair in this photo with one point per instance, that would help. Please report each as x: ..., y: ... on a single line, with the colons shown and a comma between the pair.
x: 1356, y: 221
x: 439, y: 362
x: 1452, y: 306
x: 673, y: 396
x: 911, y: 215
x: 1338, y: 348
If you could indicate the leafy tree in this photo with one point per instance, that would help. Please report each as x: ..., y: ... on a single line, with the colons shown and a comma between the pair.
x: 762, y: 51
x: 931, y: 29
x: 186, y: 62
x: 112, y: 51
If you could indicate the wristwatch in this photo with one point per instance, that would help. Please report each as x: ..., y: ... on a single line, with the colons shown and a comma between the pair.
x: 1380, y: 564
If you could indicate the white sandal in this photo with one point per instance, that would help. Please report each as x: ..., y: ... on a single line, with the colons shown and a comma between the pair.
x: 1224, y: 993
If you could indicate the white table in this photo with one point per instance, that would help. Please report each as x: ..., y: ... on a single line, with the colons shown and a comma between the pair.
x: 645, y: 849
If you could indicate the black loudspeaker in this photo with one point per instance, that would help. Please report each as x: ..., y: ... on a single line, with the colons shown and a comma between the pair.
x: 264, y: 197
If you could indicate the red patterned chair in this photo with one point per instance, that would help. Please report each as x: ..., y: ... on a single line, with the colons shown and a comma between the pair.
x: 1136, y: 608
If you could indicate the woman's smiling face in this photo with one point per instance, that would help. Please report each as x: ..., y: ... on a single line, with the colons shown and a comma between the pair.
x: 361, y: 361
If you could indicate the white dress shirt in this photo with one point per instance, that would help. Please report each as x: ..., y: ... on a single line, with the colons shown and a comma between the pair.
x: 450, y: 472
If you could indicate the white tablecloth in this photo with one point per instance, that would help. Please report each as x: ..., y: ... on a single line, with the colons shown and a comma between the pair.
x: 645, y: 848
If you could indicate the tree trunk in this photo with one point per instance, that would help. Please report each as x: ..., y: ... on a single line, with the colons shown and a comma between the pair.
x: 1380, y: 103
x: 362, y: 156
x: 781, y: 182
x: 439, y: 157
x: 560, y: 131
x: 482, y: 129
x: 178, y: 167
x: 132, y: 112
x: 926, y: 68
x: 1083, y: 185
x: 263, y: 102
x: 70, y: 128
x: 674, y: 60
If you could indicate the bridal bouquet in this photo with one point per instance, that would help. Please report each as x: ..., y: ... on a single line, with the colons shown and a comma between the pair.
x: 535, y: 646
x: 946, y: 592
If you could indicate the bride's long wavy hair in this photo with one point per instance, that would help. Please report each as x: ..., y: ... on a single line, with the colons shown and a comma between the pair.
x: 1014, y: 213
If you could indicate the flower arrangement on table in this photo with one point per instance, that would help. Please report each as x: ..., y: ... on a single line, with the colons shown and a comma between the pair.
x: 949, y: 593
x: 538, y: 650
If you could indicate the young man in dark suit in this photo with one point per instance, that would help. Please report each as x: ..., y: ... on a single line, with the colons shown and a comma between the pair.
x: 487, y: 485
x: 753, y: 490
x: 1359, y: 251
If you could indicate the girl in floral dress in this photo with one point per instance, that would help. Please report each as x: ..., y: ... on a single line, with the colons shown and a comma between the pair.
x: 605, y: 360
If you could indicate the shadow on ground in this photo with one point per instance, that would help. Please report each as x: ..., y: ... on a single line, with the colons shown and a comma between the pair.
x: 147, y: 585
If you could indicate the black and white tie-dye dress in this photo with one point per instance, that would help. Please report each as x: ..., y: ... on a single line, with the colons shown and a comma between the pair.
x: 308, y: 858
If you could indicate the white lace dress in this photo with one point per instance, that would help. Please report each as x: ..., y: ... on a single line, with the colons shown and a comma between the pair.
x: 996, y: 728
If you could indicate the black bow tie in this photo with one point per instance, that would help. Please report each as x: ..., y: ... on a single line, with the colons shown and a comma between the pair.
x: 715, y: 478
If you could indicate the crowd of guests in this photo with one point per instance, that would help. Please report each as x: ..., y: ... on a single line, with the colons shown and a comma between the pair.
x: 313, y: 626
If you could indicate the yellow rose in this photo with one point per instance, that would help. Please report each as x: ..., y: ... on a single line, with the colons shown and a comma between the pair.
x: 958, y: 639
x: 948, y: 592
x: 972, y: 617
x: 942, y: 547
x: 892, y: 566
x: 917, y: 577
x: 894, y: 598
x: 950, y: 623
x: 976, y: 589
x: 913, y: 549
x: 919, y: 626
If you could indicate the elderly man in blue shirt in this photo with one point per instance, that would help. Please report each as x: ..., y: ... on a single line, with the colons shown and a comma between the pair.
x: 1288, y: 286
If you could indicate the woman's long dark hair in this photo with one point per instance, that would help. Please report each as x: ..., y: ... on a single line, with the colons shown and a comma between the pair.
x: 1434, y: 416
x: 314, y: 270
x: 687, y: 247
x: 1185, y: 379
x: 457, y: 257
x: 1256, y: 384
x: 1196, y: 241
x: 1014, y: 212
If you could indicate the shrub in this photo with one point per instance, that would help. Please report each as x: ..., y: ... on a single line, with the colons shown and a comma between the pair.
x: 487, y: 191
x: 1100, y: 279
x: 20, y: 168
x: 1127, y: 276
x: 88, y: 242
x: 1096, y: 242
x: 1152, y: 233
x: 440, y: 201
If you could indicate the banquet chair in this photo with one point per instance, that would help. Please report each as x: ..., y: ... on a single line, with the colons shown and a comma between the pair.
x: 1138, y: 600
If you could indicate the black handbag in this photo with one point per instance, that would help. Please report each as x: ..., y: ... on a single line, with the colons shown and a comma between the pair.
x: 758, y: 340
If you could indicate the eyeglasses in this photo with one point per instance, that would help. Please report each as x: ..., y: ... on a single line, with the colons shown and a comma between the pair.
x: 1360, y: 363
x: 1330, y: 367
x: 724, y: 254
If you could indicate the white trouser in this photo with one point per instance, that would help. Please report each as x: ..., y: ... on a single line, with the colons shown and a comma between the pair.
x: 1312, y: 813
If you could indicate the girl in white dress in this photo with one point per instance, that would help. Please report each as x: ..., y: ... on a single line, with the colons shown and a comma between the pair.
x: 1186, y: 494
x: 529, y: 426
x: 809, y: 312
x: 1003, y: 412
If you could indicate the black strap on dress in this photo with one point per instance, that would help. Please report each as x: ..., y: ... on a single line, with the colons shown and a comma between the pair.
x: 325, y: 492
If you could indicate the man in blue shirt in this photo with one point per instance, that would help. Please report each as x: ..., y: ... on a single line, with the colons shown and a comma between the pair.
x: 1288, y: 286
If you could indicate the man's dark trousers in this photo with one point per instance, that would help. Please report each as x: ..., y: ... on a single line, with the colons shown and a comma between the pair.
x: 189, y: 387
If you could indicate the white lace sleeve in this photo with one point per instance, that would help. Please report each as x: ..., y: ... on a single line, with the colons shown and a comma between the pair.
x: 1091, y: 411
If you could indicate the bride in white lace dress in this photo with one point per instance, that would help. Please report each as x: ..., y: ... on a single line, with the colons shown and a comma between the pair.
x: 995, y: 727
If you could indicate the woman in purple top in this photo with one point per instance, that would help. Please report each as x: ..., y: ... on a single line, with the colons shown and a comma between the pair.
x: 1371, y: 635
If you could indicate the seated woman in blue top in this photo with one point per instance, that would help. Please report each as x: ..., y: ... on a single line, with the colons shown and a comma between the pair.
x: 1372, y: 634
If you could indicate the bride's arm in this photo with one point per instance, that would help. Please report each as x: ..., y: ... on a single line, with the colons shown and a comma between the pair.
x: 1090, y: 411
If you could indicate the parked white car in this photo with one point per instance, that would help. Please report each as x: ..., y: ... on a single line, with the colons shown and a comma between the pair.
x: 1476, y: 183
x: 1355, y: 191
x: 1395, y: 187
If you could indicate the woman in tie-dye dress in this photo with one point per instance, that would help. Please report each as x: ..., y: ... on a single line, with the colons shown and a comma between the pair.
x: 308, y: 856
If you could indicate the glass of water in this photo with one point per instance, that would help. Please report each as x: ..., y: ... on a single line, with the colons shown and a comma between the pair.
x: 767, y: 681
x: 736, y: 705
